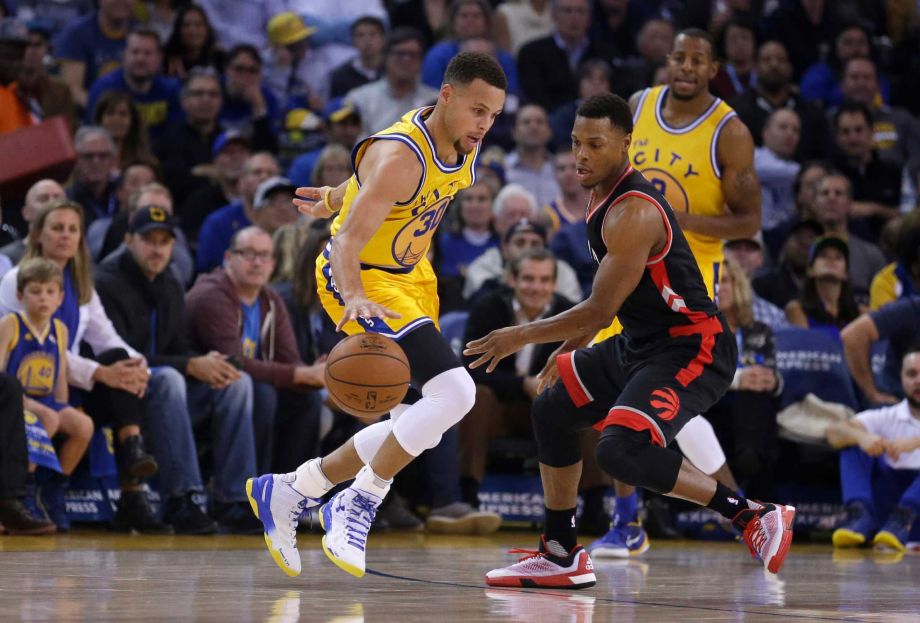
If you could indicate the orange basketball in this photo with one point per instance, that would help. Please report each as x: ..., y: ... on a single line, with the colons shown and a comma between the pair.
x: 367, y: 375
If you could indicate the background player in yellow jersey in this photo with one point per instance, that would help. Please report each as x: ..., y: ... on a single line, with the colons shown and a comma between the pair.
x: 374, y: 276
x: 700, y: 156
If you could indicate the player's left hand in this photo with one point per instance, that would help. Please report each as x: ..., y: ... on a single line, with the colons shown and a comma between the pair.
x: 495, y: 346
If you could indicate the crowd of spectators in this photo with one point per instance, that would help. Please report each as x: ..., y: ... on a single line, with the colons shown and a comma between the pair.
x: 187, y: 284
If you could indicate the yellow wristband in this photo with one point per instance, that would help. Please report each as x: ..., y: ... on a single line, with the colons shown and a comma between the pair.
x: 327, y: 199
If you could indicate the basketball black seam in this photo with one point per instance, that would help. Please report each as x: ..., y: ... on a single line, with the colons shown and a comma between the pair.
x: 344, y: 357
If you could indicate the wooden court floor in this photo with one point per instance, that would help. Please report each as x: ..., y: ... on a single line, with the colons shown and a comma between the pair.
x: 94, y: 576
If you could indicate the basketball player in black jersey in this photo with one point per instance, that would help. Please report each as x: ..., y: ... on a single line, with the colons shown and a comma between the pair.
x: 675, y: 358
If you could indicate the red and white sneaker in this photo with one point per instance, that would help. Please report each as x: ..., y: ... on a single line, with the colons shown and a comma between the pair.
x: 542, y: 569
x: 769, y: 534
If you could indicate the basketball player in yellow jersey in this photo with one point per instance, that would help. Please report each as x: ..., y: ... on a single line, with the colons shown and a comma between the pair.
x: 700, y: 156
x: 374, y: 276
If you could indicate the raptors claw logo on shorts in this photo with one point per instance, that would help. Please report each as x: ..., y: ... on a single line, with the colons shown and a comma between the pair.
x: 667, y: 403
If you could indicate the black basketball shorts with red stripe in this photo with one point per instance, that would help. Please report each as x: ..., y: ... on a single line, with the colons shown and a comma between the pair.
x: 656, y: 386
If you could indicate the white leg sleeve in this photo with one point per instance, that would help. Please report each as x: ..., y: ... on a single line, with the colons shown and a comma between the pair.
x: 445, y: 400
x: 698, y: 442
x: 369, y: 439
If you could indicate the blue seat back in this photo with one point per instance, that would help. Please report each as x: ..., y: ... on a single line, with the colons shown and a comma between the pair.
x: 812, y: 362
x: 453, y: 325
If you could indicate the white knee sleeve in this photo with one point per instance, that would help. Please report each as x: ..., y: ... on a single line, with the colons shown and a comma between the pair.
x: 698, y: 442
x: 445, y: 400
x: 369, y: 439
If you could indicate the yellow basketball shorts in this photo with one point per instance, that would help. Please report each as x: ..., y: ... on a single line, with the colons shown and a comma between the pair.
x: 413, y: 295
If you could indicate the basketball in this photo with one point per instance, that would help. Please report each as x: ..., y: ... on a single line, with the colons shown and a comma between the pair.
x: 367, y: 375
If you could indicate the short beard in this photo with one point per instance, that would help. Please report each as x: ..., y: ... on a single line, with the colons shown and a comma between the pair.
x: 914, y: 403
x: 458, y: 146
x: 679, y: 97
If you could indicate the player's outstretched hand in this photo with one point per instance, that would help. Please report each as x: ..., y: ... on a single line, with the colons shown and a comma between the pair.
x: 366, y: 309
x: 495, y: 347
x: 550, y: 373
x: 312, y: 201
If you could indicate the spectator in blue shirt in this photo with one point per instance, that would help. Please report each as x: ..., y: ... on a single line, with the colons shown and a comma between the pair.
x: 92, y: 46
x: 469, y: 19
x: 899, y: 324
x: 156, y: 96
x: 473, y: 235
x: 821, y: 82
x: 246, y: 98
x: 219, y: 227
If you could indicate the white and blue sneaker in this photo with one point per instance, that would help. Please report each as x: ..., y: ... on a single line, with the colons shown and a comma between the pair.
x: 623, y: 540
x: 347, y: 519
x: 279, y: 506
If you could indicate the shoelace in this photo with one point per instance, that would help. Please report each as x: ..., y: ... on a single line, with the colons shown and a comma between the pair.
x: 359, y: 521
x: 528, y: 553
x: 294, y: 518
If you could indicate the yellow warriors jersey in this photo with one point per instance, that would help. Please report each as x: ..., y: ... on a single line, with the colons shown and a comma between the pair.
x: 395, y: 270
x: 683, y: 165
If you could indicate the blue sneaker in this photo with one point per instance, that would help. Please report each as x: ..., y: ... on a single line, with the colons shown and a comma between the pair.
x: 279, y: 506
x: 31, y: 502
x: 896, y: 530
x: 621, y: 541
x: 52, y: 494
x: 857, y: 528
x: 347, y: 519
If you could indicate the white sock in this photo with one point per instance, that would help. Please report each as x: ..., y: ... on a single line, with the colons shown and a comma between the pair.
x: 309, y: 479
x: 368, y: 482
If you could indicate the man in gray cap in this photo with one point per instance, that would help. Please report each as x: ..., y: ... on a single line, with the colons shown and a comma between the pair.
x: 273, y: 205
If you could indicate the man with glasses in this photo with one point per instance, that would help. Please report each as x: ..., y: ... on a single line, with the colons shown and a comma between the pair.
x: 232, y: 311
x: 381, y: 103
x: 248, y: 102
x: 93, y: 185
x: 219, y: 227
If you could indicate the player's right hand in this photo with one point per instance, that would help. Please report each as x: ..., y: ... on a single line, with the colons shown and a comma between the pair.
x: 312, y: 203
x: 366, y: 309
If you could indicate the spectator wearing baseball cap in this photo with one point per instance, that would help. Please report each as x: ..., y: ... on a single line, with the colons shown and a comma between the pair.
x: 342, y: 126
x: 14, y: 110
x: 146, y: 304
x: 273, y: 204
x: 229, y: 153
x: 522, y: 236
x: 826, y: 302
x: 782, y: 283
x: 748, y: 255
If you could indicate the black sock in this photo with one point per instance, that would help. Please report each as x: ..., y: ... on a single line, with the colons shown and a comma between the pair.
x: 560, y: 527
x: 469, y: 491
x: 728, y: 503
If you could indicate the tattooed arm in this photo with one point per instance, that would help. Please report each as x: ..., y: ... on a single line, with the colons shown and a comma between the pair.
x: 740, y: 187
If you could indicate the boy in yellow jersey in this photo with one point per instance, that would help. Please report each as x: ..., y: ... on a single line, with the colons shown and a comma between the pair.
x: 374, y: 276
x: 696, y: 151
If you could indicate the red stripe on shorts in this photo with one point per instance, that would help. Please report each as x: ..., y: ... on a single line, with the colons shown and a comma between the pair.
x: 632, y: 420
x: 565, y: 363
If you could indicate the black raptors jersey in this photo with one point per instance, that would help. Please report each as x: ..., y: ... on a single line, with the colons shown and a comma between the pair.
x: 671, y: 293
